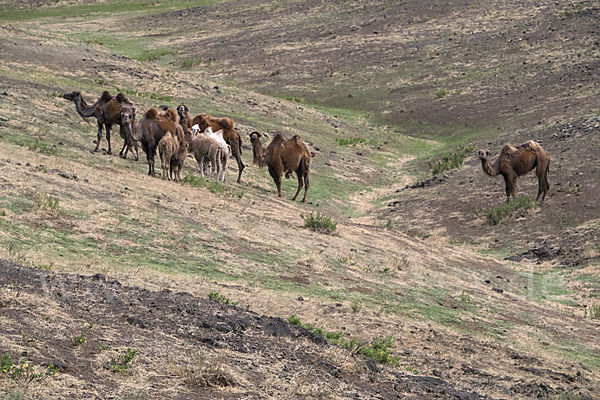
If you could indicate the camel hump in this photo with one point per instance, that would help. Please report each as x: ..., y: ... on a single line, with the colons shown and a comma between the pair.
x: 226, y: 123
x: 531, y: 145
x: 113, y: 108
x: 509, y: 149
x: 171, y: 114
x: 152, y: 113
x: 106, y: 96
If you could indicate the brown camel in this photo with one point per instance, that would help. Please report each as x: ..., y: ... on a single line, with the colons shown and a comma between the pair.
x: 185, y: 121
x: 231, y: 136
x: 106, y: 117
x: 152, y: 127
x: 283, y: 156
x: 167, y: 147
x: 518, y: 161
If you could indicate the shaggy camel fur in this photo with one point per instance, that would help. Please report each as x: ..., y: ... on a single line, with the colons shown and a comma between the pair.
x: 105, y: 118
x: 152, y: 127
x: 224, y: 151
x: 167, y: 147
x: 231, y: 136
x: 201, y: 147
x: 283, y: 156
x: 178, y: 159
x: 518, y: 161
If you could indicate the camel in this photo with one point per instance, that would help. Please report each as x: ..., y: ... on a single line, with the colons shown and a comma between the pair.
x: 167, y: 146
x: 224, y: 152
x: 185, y: 121
x: 283, y: 155
x: 231, y: 136
x: 106, y: 117
x: 204, y: 148
x: 518, y: 161
x: 177, y: 160
x: 152, y: 127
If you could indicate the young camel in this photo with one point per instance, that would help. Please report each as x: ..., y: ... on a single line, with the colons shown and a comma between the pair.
x: 518, y: 161
x: 224, y: 152
x: 177, y: 160
x: 167, y: 147
x: 204, y: 147
x: 283, y: 156
x: 231, y: 136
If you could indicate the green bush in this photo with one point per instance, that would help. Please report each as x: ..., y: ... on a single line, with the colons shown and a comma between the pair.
x: 379, y: 351
x: 441, y: 93
x: 221, y: 298
x: 123, y: 362
x: 450, y: 161
x: 500, y: 212
x: 320, y: 223
x: 189, y: 63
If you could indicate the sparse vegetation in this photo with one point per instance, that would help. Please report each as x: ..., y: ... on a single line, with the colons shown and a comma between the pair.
x: 319, y: 223
x: 153, y: 55
x: 356, y: 305
x: 572, y: 189
x: 593, y: 311
x: 441, y: 93
x: 500, y: 212
x: 46, y: 202
x: 123, y: 362
x: 276, y: 72
x: 450, y: 161
x: 82, y: 337
x: 44, y: 148
x: 222, y: 299
x: 147, y: 95
x: 189, y: 63
x: 379, y: 350
x: 24, y: 373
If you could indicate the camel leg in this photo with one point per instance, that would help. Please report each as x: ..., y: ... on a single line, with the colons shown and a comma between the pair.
x: 236, y: 153
x: 107, y: 126
x: 306, y: 186
x: 277, y: 178
x: 300, y: 184
x: 99, y: 135
x: 125, y: 148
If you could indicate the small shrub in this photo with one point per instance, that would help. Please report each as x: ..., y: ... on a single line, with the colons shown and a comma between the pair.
x: 572, y: 189
x: 82, y: 338
x: 465, y: 297
x: 450, y: 161
x: 357, y: 305
x: 221, y: 298
x: 320, y: 223
x: 123, y: 362
x: 441, y: 93
x: 500, y: 212
x: 379, y: 351
x: 275, y: 73
x: 296, y: 99
x: 293, y: 320
x: 350, y: 142
x: 205, y: 372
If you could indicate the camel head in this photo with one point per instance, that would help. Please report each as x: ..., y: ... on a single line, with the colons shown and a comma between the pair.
x: 182, y: 110
x: 73, y: 96
x: 195, y: 130
x: 484, y: 154
x: 255, y: 137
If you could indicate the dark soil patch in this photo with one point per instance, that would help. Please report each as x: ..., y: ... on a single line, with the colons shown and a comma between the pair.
x: 297, y: 279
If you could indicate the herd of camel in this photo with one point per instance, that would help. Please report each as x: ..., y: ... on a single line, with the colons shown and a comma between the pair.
x: 210, y: 140
x: 215, y: 139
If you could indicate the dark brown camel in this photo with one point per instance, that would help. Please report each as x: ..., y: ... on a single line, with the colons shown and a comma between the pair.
x: 106, y: 117
x: 152, y: 127
x: 518, y: 161
x: 185, y: 121
x: 283, y: 156
x: 231, y: 136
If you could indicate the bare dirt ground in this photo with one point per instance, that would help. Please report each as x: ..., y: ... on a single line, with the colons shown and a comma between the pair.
x: 513, y: 71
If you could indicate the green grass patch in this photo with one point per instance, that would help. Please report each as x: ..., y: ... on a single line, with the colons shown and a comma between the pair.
x: 189, y: 63
x: 152, y: 55
x: 498, y: 213
x: 450, y: 161
x: 44, y: 148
